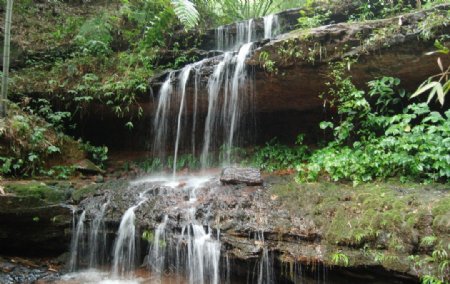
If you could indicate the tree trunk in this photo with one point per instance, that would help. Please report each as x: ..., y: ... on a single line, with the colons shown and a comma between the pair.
x: 4, y: 94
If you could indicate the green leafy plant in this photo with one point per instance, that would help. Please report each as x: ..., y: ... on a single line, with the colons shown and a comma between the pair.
x: 30, y: 142
x: 151, y: 165
x: 94, y: 36
x: 98, y: 154
x: 148, y: 236
x: 307, y: 22
x: 380, y: 139
x: 187, y: 161
x: 429, y: 279
x: 266, y: 63
x: 339, y: 258
x: 428, y: 240
x: 275, y: 156
x: 375, y: 9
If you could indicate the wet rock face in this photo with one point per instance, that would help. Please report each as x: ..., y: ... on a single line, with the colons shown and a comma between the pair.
x: 297, y: 224
x: 243, y: 213
x: 30, y: 226
x: 301, y: 61
x: 248, y: 176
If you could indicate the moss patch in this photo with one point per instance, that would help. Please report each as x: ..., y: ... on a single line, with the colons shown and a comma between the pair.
x: 84, y: 192
x: 50, y: 193
x: 384, y: 222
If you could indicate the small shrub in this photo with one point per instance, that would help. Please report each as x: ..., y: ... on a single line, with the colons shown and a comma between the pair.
x: 275, y: 156
x: 98, y: 154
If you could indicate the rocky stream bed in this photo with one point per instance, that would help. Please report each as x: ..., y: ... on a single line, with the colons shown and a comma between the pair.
x: 301, y: 226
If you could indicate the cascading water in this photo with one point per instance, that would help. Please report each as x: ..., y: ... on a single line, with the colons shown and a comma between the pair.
x: 183, y: 78
x: 88, y: 246
x: 265, y: 267
x: 157, y: 251
x: 232, y: 37
x: 97, y: 239
x: 271, y: 26
x: 238, y: 95
x: 198, y: 67
x: 125, y: 244
x: 161, y: 119
x: 197, y: 251
x: 227, y: 86
x: 77, y: 247
x: 214, y: 85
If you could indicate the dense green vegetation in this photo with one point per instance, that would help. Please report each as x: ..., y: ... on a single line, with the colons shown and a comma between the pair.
x: 375, y: 136
x: 381, y: 139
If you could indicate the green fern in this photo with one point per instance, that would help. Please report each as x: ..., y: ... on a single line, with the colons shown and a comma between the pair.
x: 339, y: 258
x: 186, y: 12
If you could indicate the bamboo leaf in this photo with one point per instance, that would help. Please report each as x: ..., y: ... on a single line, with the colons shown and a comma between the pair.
x: 439, y: 62
x: 440, y: 93
x: 431, y: 95
x: 424, y: 88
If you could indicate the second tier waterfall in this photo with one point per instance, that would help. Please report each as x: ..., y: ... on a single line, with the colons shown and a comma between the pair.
x: 224, y: 86
x: 229, y: 96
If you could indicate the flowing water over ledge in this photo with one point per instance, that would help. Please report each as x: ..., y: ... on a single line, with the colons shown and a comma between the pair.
x: 191, y: 230
x: 177, y: 125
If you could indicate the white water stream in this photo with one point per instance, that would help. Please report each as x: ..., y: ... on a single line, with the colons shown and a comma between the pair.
x: 228, y: 93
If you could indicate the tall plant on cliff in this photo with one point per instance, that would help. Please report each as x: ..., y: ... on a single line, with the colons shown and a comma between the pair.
x: 4, y: 95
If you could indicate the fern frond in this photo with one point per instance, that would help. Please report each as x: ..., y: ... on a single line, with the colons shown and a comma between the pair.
x: 186, y: 12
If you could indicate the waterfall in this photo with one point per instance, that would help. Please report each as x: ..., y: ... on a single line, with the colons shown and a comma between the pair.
x: 238, y: 95
x: 204, y: 256
x: 214, y: 86
x: 124, y: 248
x: 88, y: 246
x: 228, y: 97
x: 161, y: 119
x: 231, y: 38
x: 250, y: 31
x: 221, y: 38
x: 197, y: 78
x: 197, y: 250
x: 158, y: 250
x: 271, y: 26
x: 77, y: 247
x: 265, y: 267
x: 124, y: 257
x: 97, y: 238
x: 183, y: 78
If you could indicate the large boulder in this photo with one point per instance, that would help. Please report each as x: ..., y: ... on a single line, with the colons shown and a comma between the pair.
x: 248, y: 176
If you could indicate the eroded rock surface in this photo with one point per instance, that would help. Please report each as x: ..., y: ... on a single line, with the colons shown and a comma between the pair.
x: 248, y: 176
x: 299, y: 224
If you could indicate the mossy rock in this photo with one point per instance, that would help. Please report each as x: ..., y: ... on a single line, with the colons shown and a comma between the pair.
x: 56, y: 193
x: 372, y: 224
x: 84, y: 192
